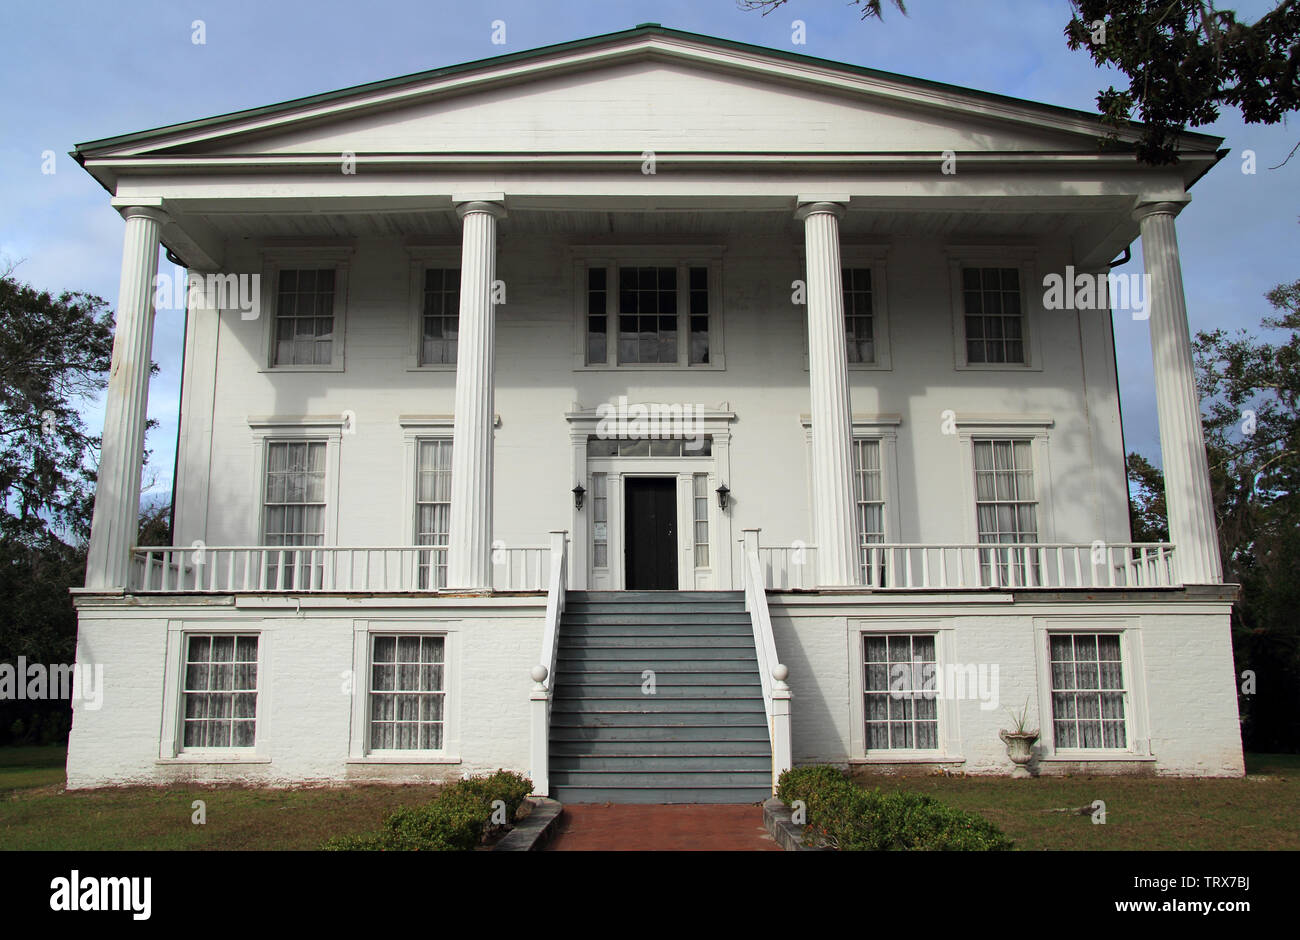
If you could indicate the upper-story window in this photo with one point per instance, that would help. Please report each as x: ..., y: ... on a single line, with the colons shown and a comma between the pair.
x: 1006, y: 510
x: 440, y: 319
x: 995, y: 323
x: 859, y: 321
x: 304, y: 291
x: 644, y: 310
x: 304, y: 317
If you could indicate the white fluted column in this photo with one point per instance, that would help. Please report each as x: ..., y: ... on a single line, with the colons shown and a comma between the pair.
x: 1188, y: 498
x: 828, y: 379
x: 116, y: 518
x: 469, y: 553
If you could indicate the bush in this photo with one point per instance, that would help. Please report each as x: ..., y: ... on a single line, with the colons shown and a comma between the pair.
x: 453, y: 821
x: 853, y: 819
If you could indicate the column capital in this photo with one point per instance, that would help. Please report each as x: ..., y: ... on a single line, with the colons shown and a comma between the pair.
x: 820, y: 207
x: 1147, y: 209
x: 493, y: 204
x: 145, y: 212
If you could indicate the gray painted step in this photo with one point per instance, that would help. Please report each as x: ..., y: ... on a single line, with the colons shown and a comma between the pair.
x: 567, y: 794
x: 704, y: 607
x: 681, y: 719
x: 667, y: 617
x: 571, y: 630
x: 654, y: 705
x: 655, y: 778
x: 687, y: 749
x: 705, y: 736
x: 674, y: 597
x: 638, y: 643
x: 657, y: 763
x: 588, y: 690
x: 668, y: 656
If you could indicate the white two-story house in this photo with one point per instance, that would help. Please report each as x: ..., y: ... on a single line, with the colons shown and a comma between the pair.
x: 647, y: 413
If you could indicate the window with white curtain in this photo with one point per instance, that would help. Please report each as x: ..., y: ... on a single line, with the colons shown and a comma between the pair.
x: 599, y: 521
x: 900, y: 686
x: 407, y: 692
x: 433, y: 509
x: 304, y: 317
x: 1087, y: 690
x: 859, y: 326
x: 440, y: 316
x: 293, y: 511
x: 700, y: 490
x: 869, y: 498
x: 220, y: 690
x: 1006, y: 509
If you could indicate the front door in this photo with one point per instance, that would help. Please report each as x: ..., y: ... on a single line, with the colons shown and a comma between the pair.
x: 650, y: 533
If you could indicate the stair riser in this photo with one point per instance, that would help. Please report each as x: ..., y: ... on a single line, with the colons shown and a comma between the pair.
x: 679, y: 764
x: 578, y: 733
x: 667, y: 616
x: 587, y: 691
x: 679, y: 749
x: 729, y: 795
x: 735, y: 609
x: 613, y: 778
x: 656, y: 706
x: 666, y: 658
x: 649, y: 644
x: 666, y: 597
x: 660, y: 722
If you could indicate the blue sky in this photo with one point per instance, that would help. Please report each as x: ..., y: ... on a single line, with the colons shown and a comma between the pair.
x: 73, y: 72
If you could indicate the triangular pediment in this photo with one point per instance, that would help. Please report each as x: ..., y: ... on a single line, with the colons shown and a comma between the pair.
x: 642, y: 90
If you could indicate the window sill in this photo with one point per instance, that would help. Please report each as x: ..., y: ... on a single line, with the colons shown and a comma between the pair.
x: 213, y: 759
x: 997, y: 367
x: 907, y: 758
x: 404, y: 759
x: 433, y: 367
x: 332, y: 368
x: 1095, y: 756
x: 653, y: 367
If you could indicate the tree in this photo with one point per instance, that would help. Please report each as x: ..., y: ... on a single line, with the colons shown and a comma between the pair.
x: 54, y: 354
x: 1184, y: 60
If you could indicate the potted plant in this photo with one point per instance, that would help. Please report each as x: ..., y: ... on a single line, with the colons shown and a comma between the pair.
x: 1020, y: 741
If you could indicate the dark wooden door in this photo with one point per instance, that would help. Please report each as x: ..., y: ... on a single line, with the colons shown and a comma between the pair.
x: 650, y: 533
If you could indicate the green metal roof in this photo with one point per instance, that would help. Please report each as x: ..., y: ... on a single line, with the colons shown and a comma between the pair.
x: 645, y: 29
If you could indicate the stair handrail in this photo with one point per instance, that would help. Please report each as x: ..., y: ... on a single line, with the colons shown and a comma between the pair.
x: 543, y: 674
x: 772, y: 672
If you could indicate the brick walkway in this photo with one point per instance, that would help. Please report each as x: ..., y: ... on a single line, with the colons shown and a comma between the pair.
x: 676, y: 828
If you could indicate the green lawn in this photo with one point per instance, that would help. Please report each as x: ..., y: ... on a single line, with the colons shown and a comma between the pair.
x: 1257, y: 812
x: 36, y: 813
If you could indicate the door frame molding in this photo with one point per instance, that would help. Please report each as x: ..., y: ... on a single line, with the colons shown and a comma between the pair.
x: 721, y: 574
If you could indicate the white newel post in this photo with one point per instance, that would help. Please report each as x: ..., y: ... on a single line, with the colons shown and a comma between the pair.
x: 469, y: 554
x: 116, y: 518
x: 539, y: 731
x: 1182, y: 444
x: 828, y: 379
x: 782, y: 742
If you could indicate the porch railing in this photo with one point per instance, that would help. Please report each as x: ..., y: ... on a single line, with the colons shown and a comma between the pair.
x: 967, y: 567
x: 233, y: 569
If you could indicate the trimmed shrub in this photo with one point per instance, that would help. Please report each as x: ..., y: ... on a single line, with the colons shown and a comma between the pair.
x: 852, y: 819
x: 453, y: 821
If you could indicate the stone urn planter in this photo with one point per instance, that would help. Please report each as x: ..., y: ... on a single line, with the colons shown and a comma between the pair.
x: 1020, y: 748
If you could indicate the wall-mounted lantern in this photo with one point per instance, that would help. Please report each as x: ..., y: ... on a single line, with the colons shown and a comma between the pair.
x: 578, y: 493
x: 723, y: 493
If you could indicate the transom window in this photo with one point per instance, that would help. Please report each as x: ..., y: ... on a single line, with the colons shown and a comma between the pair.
x: 900, y: 682
x: 701, y: 446
x: 1087, y: 690
x: 293, y: 510
x: 440, y: 317
x: 220, y: 690
x: 859, y: 325
x: 407, y: 692
x: 1006, y: 509
x: 993, y: 315
x: 304, y: 317
x: 869, y: 495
